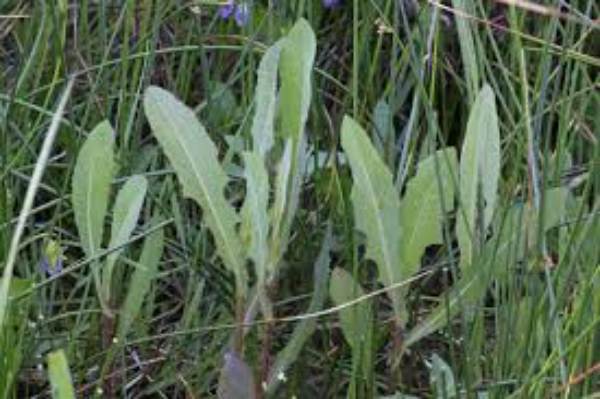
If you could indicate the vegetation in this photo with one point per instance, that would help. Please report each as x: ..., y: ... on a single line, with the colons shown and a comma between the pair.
x: 256, y: 199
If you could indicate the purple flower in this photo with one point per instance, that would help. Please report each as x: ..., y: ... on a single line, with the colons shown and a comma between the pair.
x: 225, y: 11
x: 50, y: 268
x: 240, y: 12
x: 331, y: 3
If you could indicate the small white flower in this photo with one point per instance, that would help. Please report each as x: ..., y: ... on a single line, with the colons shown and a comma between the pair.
x: 281, y: 376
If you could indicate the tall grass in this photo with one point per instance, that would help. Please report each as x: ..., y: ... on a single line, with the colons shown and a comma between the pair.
x: 502, y: 299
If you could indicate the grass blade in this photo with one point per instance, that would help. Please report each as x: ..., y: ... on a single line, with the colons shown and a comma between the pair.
x: 36, y: 178
x: 467, y: 47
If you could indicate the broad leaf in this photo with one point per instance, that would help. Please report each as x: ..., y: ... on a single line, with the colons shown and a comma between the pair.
x: 355, y: 319
x: 140, y: 281
x: 288, y: 185
x: 499, y: 255
x: 479, y: 173
x: 383, y: 140
x: 474, y: 282
x: 194, y: 157
x: 295, y: 68
x: 255, y: 215
x: 421, y: 211
x: 265, y: 98
x: 376, y: 207
x: 91, y: 186
x: 60, y: 376
x: 296, y: 63
x: 126, y: 212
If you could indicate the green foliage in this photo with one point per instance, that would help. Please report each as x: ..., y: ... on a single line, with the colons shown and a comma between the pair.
x: 92, y: 178
x: 91, y: 190
x: 255, y: 216
x: 194, y: 158
x: 295, y: 69
x: 355, y: 320
x: 376, y: 207
x: 60, y: 376
x: 265, y: 98
x: 397, y: 232
x: 296, y: 62
x: 508, y: 246
x: 306, y: 326
x: 467, y: 47
x: 91, y: 182
x: 429, y: 196
x: 503, y: 298
x: 13, y: 335
x: 479, y: 174
x: 139, y: 285
x: 126, y: 212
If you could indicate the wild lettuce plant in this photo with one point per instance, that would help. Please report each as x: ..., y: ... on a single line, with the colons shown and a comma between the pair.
x: 91, y: 187
x: 260, y: 232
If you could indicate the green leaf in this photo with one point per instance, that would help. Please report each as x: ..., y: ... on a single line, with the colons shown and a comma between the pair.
x: 91, y: 186
x: 376, y: 207
x: 254, y: 213
x: 194, y: 158
x: 555, y: 206
x: 421, y: 211
x: 474, y: 282
x: 288, y: 185
x: 382, y: 118
x: 126, y: 212
x: 60, y: 376
x: 265, y: 98
x: 506, y: 248
x: 295, y: 67
x: 296, y: 63
x: 140, y: 281
x: 354, y: 319
x: 479, y: 173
